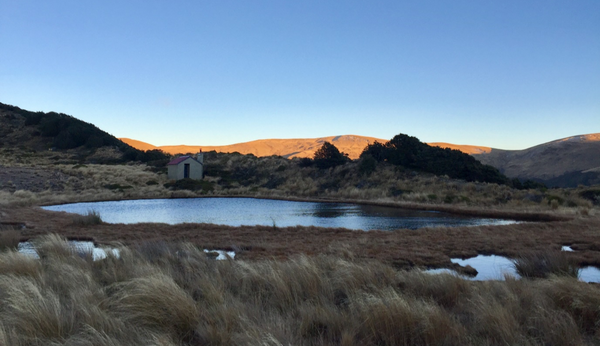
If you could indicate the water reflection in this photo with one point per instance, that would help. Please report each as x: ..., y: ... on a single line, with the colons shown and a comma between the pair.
x: 330, y: 210
x: 79, y: 247
x: 251, y: 211
x: 494, y: 267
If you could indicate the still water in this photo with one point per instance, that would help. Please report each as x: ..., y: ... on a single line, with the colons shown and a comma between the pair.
x: 252, y: 211
x: 492, y: 267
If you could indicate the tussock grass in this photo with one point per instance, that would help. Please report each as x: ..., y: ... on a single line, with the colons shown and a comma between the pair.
x: 9, y: 238
x: 542, y: 264
x: 173, y: 294
x: 92, y: 217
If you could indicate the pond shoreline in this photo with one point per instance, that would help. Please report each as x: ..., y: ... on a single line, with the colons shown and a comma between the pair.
x: 457, y: 210
x: 403, y: 248
x: 268, y: 212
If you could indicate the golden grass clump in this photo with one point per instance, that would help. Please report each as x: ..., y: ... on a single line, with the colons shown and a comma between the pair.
x: 156, y: 303
x: 160, y: 293
x: 18, y: 264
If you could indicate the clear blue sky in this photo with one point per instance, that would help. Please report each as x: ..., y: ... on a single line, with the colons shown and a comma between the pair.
x: 508, y: 74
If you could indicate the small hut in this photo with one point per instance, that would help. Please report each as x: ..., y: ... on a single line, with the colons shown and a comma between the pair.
x: 186, y: 167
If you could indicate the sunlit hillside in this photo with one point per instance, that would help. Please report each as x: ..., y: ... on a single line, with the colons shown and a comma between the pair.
x: 566, y: 162
x: 296, y: 147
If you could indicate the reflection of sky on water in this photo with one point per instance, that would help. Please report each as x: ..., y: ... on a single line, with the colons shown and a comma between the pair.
x: 494, y: 267
x: 490, y: 267
x: 250, y: 211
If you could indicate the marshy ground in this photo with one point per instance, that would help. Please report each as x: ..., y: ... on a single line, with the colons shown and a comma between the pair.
x: 287, y: 285
x: 425, y: 247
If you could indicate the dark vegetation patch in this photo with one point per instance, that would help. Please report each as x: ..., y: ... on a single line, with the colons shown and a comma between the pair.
x: 117, y: 187
x: 191, y: 185
x: 410, y: 153
x: 592, y: 195
x: 572, y: 179
x: 37, y: 131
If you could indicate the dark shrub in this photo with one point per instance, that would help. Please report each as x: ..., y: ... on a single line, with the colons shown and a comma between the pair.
x: 591, y: 195
x: 409, y: 152
x: 367, y: 164
x: 329, y: 156
x: 305, y: 162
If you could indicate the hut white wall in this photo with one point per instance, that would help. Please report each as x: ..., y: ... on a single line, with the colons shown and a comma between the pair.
x: 176, y: 172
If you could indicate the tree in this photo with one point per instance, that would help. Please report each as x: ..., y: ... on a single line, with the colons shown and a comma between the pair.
x: 376, y: 150
x: 329, y: 156
x: 405, y: 150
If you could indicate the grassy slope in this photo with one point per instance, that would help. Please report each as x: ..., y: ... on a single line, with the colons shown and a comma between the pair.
x: 562, y: 162
x: 24, y: 132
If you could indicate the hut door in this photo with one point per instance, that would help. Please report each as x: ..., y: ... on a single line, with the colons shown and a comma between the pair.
x: 186, y: 170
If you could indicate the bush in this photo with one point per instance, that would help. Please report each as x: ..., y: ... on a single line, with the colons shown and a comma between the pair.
x: 367, y: 164
x: 409, y: 152
x: 329, y: 156
x: 305, y: 162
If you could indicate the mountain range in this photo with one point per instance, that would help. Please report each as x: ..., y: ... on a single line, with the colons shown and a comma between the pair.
x: 565, y: 162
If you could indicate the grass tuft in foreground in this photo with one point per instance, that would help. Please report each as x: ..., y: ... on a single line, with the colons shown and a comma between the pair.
x: 9, y: 239
x: 546, y: 263
x: 173, y: 294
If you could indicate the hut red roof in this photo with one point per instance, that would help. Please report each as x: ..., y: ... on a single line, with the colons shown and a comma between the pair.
x: 178, y: 160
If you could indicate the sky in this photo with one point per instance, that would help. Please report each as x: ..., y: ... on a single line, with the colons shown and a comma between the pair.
x: 506, y: 74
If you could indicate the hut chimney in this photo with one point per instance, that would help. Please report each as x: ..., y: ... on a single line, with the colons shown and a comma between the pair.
x: 200, y: 157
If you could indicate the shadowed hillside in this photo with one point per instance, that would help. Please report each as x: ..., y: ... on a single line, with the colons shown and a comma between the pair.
x: 30, y: 132
x: 566, y: 162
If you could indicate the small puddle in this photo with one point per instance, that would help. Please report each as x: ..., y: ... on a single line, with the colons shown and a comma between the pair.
x: 84, y: 247
x: 221, y: 254
x: 79, y: 247
x: 490, y: 267
x: 589, y: 274
x: 494, y: 267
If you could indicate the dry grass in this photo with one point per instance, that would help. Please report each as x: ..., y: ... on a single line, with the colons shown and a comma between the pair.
x: 428, y: 247
x: 546, y: 263
x: 55, y: 182
x: 172, y: 294
x: 9, y: 238
x: 92, y: 217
